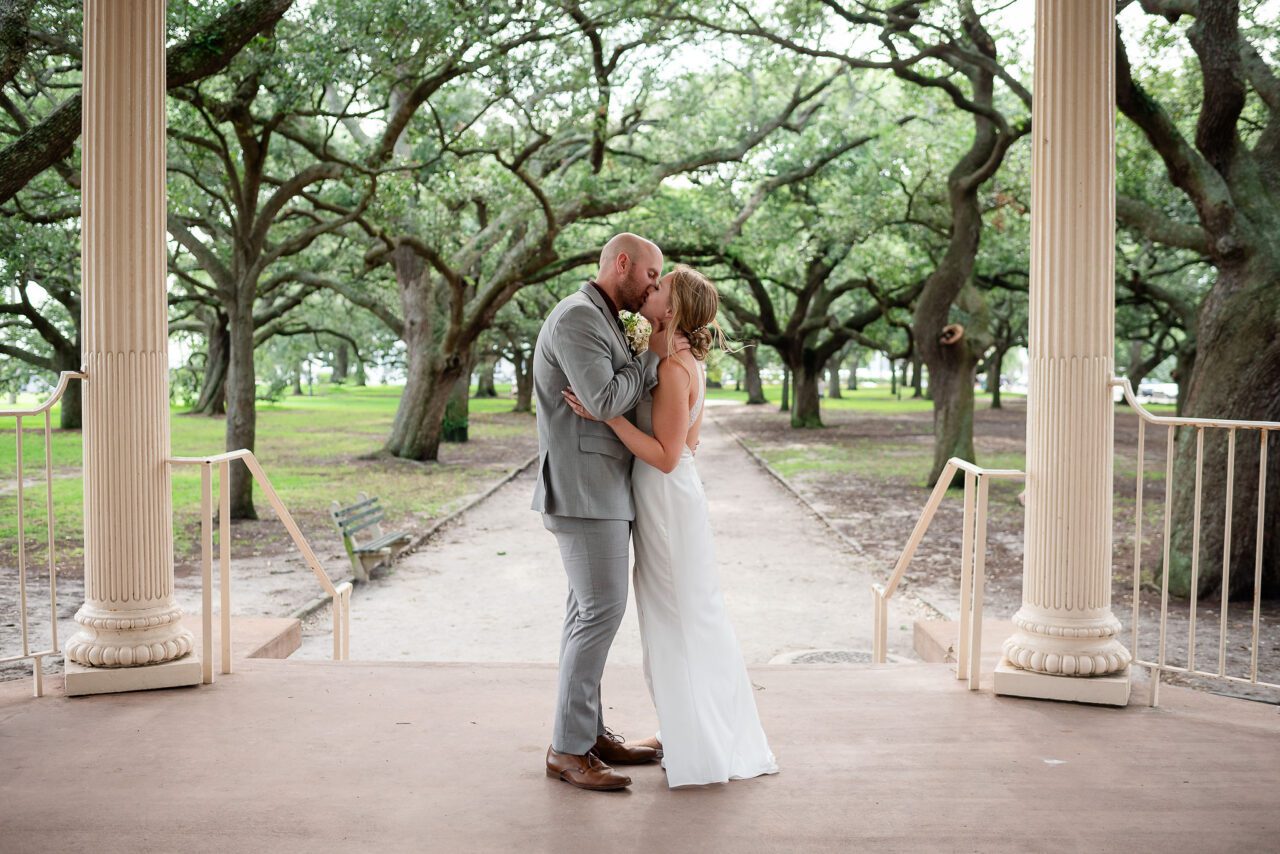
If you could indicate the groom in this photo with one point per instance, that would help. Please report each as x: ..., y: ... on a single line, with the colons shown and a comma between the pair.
x: 584, y: 495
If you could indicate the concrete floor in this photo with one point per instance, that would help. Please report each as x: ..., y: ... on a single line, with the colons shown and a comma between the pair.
x: 289, y: 756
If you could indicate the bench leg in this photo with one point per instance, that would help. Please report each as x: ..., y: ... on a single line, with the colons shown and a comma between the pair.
x: 364, y: 563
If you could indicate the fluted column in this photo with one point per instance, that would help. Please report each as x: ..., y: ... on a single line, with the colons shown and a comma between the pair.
x: 1065, y: 626
x: 129, y: 618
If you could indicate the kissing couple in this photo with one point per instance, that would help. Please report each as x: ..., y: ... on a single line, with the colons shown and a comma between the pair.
x: 616, y: 431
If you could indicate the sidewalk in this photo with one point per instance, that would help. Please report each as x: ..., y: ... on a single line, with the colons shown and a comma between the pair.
x: 491, y: 587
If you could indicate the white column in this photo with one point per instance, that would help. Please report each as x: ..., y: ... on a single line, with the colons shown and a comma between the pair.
x: 1065, y: 627
x: 130, y: 625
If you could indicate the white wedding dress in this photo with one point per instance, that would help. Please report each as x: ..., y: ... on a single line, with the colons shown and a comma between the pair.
x: 708, y: 724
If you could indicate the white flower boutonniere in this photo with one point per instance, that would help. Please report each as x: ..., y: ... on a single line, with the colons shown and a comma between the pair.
x: 638, y: 330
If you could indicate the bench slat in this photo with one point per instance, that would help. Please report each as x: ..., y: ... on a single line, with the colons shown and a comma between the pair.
x: 352, y: 509
x: 383, y: 542
x: 351, y: 530
x: 359, y: 517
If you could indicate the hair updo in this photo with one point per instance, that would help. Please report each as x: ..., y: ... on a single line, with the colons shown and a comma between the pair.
x: 694, y: 304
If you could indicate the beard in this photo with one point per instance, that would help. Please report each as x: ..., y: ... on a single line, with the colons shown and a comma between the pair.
x: 633, y: 292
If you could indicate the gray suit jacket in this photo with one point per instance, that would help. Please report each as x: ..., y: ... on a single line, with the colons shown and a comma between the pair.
x: 583, y: 468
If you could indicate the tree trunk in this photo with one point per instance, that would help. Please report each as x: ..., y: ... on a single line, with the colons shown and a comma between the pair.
x: 994, y: 365
x: 484, y: 377
x: 917, y: 378
x: 297, y: 381
x: 806, y: 374
x: 951, y: 378
x: 751, y: 370
x: 1138, y: 368
x: 432, y: 388
x: 951, y: 353
x: 1235, y: 375
x: 429, y: 374
x: 341, y: 363
x: 833, y: 379
x: 457, y: 413
x: 785, y: 406
x: 893, y: 378
x: 361, y: 379
x: 71, y: 412
x: 855, y: 358
x: 241, y: 423
x: 1183, y: 370
x: 524, y: 382
x: 213, y: 389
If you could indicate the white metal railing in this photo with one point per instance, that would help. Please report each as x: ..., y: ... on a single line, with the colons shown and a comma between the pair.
x: 340, y: 594
x: 1160, y: 664
x: 973, y: 554
x: 38, y: 657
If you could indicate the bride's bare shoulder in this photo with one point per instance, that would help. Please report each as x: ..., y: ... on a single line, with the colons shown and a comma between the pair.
x: 677, y: 370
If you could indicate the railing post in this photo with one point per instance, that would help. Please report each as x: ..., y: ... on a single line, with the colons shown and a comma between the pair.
x: 1137, y: 536
x: 966, y: 580
x: 1226, y: 553
x: 22, y: 547
x: 346, y: 623
x: 224, y: 558
x: 337, y: 625
x: 53, y: 566
x: 1195, y: 552
x: 1257, y: 561
x: 206, y: 574
x: 979, y: 577
x: 875, y: 631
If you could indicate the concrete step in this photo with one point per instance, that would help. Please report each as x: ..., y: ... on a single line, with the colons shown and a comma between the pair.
x: 937, y: 641
x: 251, y: 637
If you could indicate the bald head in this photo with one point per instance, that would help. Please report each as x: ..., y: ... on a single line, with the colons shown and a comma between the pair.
x: 630, y: 267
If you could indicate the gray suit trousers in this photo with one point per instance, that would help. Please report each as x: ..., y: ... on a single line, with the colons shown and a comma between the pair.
x: 594, y: 552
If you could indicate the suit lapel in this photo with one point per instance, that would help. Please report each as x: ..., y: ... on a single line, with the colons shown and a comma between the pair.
x: 612, y: 323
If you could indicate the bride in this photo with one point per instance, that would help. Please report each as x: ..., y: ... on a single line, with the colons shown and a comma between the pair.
x: 708, y: 727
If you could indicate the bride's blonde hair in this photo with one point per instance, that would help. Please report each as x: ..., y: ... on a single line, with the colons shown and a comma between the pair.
x: 694, y: 305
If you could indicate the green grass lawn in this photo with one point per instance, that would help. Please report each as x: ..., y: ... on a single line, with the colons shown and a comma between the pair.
x: 309, y: 446
x: 821, y: 453
x: 878, y: 399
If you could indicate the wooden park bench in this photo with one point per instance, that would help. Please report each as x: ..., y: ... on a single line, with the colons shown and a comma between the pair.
x: 364, y: 515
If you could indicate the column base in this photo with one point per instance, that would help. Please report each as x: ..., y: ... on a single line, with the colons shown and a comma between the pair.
x: 81, y: 680
x: 1110, y: 690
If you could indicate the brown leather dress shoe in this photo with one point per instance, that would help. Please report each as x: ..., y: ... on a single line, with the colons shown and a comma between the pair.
x: 585, y: 772
x: 613, y: 749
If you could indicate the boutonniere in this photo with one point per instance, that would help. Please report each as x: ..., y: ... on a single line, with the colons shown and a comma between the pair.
x: 638, y: 330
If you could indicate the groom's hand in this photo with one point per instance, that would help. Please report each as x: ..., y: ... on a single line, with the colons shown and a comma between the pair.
x: 576, y: 405
x: 658, y: 343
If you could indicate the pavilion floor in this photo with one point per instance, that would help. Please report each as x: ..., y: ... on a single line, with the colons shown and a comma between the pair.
x: 314, y: 756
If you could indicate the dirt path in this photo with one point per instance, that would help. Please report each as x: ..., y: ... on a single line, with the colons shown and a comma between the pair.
x: 491, y: 587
